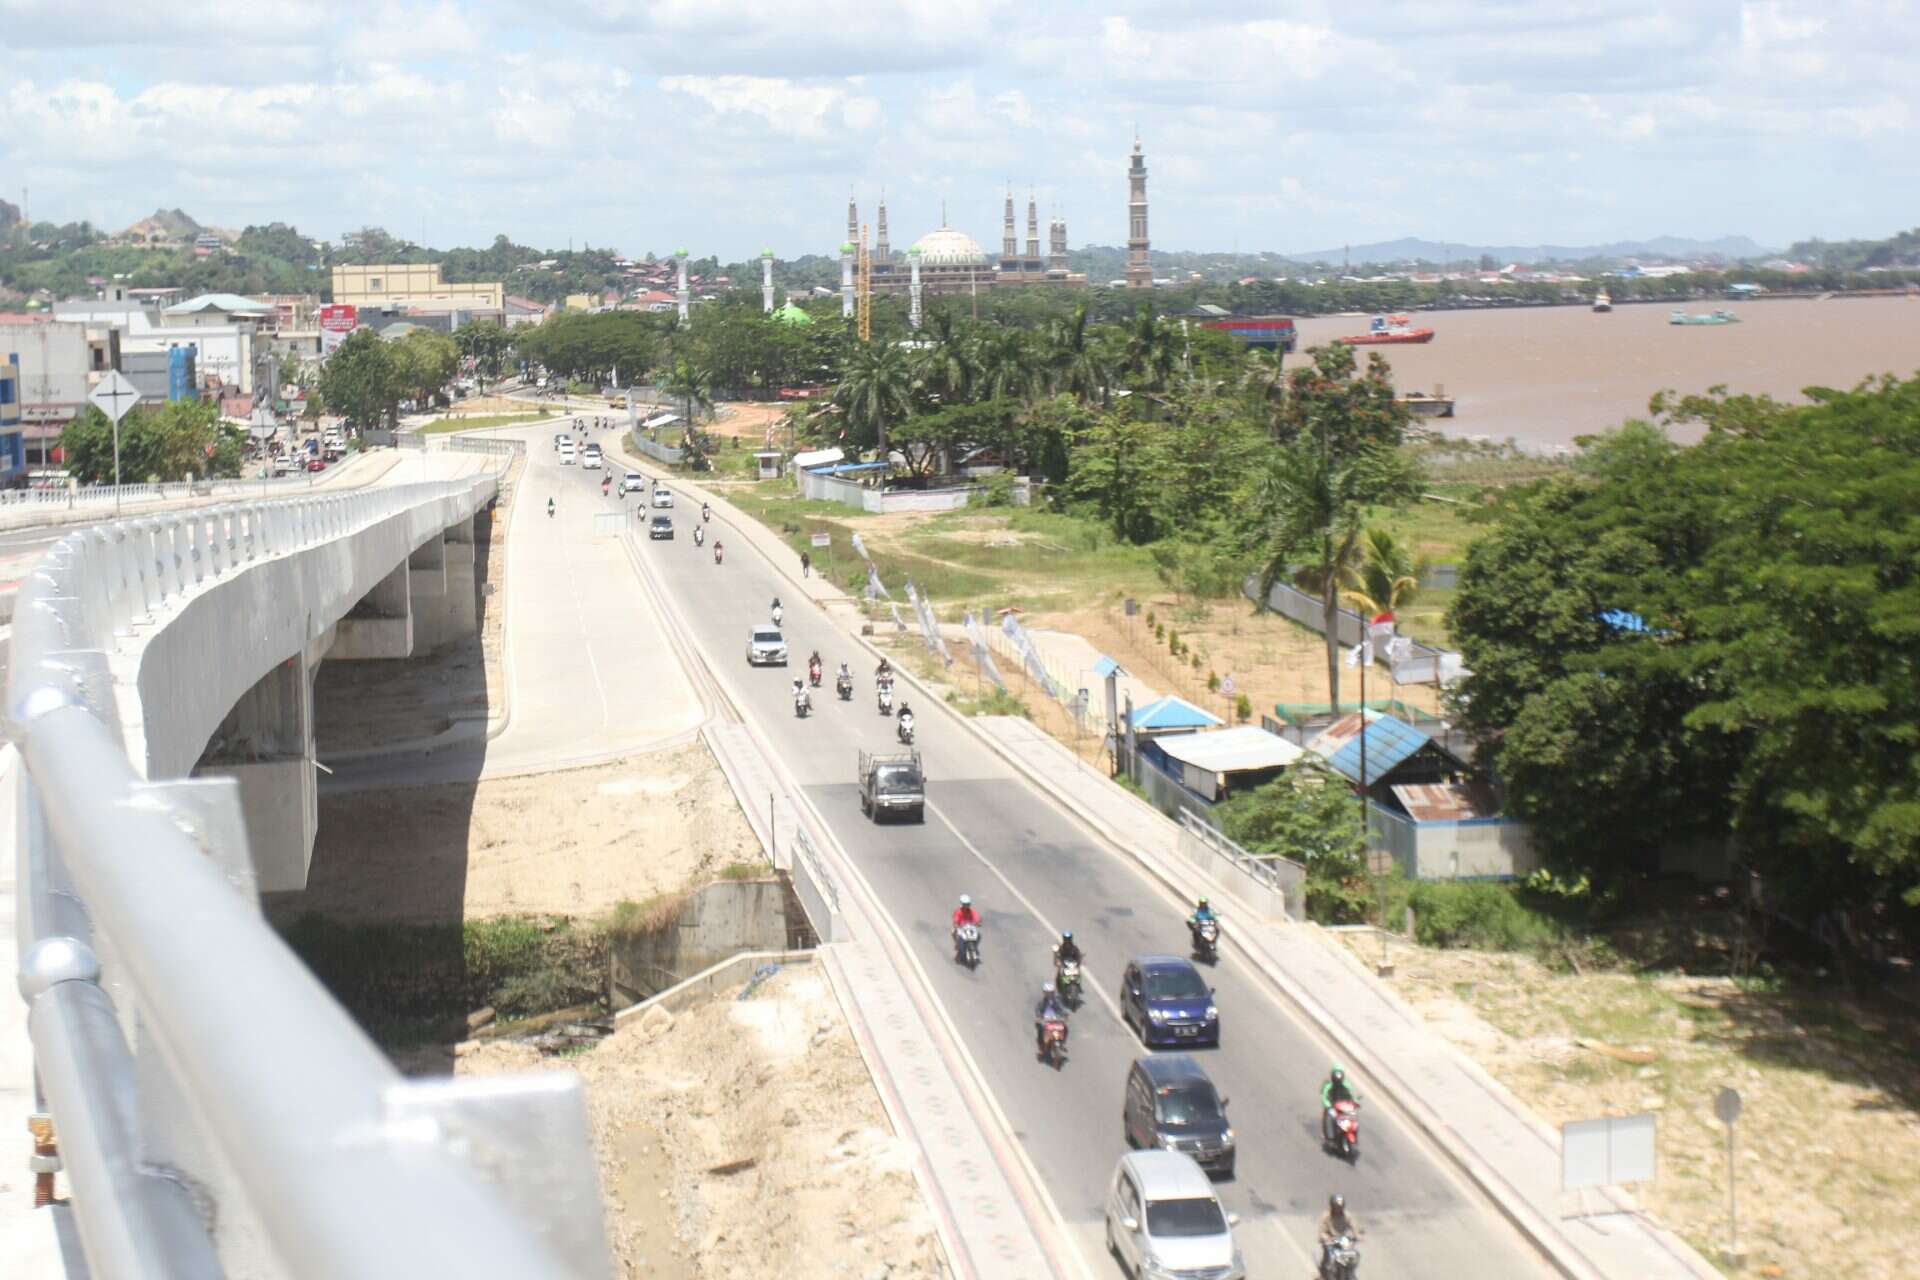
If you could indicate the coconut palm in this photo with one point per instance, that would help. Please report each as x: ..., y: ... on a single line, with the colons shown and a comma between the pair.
x: 1263, y: 379
x: 1383, y: 574
x: 1147, y: 351
x: 1008, y: 370
x: 1077, y: 365
x: 876, y: 390
x: 947, y: 364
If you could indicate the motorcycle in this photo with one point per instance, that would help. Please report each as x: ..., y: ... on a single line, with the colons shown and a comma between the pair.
x: 905, y: 731
x: 813, y: 674
x: 966, y: 945
x: 706, y: 513
x: 1053, y: 1042
x: 1206, y: 939
x: 699, y: 536
x: 844, y: 687
x: 1340, y: 1260
x: 802, y: 703
x: 885, y: 695
x: 1066, y: 980
x: 716, y: 553
x: 778, y: 613
x: 1340, y: 1129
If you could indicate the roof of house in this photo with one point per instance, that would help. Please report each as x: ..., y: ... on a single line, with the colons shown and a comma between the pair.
x: 1108, y: 667
x: 818, y: 457
x: 1388, y: 742
x: 1231, y: 750
x: 220, y: 302
x: 1446, y: 801
x: 1172, y: 712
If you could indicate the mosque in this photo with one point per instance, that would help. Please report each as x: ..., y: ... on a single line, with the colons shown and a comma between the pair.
x: 951, y: 261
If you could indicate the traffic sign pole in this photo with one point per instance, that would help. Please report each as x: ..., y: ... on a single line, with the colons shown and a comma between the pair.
x: 115, y: 396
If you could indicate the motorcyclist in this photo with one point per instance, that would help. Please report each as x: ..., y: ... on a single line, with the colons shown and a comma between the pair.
x: 1202, y: 911
x: 800, y: 696
x: 965, y: 914
x: 1050, y: 1009
x: 1066, y: 949
x: 813, y: 666
x: 699, y: 535
x: 1333, y: 1089
x: 1334, y: 1224
x: 549, y: 508
x: 706, y: 512
x: 718, y: 547
x: 776, y: 610
x: 905, y: 719
x: 884, y: 672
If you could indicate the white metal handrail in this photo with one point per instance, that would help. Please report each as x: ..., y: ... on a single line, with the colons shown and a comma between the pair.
x: 217, y: 1113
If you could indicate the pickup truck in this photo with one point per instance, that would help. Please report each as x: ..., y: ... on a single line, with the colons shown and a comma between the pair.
x: 892, y: 784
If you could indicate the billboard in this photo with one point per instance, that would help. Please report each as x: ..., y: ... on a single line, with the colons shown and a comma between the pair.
x: 336, y: 322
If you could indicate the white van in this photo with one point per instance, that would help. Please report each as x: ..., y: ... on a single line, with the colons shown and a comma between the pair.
x: 590, y: 457
x: 567, y: 452
x: 1164, y: 1220
x: 662, y: 496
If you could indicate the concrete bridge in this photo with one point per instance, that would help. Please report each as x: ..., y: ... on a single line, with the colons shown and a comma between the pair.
x: 214, y: 1112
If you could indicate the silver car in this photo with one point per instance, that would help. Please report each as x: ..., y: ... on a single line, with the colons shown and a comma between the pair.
x: 766, y: 647
x: 1164, y: 1220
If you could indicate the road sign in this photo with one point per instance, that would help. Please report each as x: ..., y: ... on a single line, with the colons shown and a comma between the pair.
x: 1726, y: 1105
x: 1130, y: 606
x: 115, y: 395
x: 822, y: 539
x: 1226, y: 686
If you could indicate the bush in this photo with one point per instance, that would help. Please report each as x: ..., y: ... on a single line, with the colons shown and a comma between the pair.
x: 1243, y: 708
x: 1173, y: 642
x: 995, y: 491
x: 1154, y: 623
x: 1491, y: 917
x: 1213, y: 682
x: 1159, y: 632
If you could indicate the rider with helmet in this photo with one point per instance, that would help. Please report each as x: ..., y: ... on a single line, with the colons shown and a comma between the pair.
x: 1050, y: 1009
x: 1066, y: 949
x: 1334, y: 1224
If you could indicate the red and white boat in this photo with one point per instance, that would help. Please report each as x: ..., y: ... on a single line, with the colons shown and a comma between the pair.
x: 1388, y: 329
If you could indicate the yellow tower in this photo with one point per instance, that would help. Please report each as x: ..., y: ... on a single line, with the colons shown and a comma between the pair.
x: 865, y: 290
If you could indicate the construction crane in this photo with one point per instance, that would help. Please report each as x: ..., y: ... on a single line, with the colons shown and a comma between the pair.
x: 864, y: 289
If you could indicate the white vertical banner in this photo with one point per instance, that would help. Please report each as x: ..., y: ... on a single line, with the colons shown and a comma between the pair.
x: 861, y: 547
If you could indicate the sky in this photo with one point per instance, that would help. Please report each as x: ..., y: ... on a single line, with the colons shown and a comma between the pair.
x: 729, y: 126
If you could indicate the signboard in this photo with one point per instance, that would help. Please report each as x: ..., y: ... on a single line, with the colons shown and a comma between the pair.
x: 336, y: 322
x: 1608, y: 1152
x: 822, y: 539
x: 115, y: 395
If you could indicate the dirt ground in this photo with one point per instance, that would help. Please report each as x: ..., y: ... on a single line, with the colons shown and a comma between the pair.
x: 573, y: 842
x: 743, y: 1138
x: 1829, y: 1138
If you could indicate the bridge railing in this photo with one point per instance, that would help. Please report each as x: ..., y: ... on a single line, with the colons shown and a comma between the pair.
x: 216, y: 1112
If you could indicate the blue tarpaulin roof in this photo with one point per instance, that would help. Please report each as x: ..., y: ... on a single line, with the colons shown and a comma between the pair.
x: 1106, y: 667
x: 1172, y: 713
x: 1390, y: 743
x: 843, y: 468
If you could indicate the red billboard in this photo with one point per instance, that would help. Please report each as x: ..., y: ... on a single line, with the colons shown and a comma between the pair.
x: 336, y: 322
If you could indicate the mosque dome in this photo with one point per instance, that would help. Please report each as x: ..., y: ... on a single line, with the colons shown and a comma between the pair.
x: 792, y: 314
x: 949, y: 248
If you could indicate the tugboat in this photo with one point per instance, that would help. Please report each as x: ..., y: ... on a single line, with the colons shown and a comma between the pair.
x: 1712, y: 317
x: 1422, y: 405
x: 1602, y: 301
x: 1388, y: 329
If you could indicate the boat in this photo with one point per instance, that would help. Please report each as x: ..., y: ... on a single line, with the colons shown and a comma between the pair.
x: 1602, y: 301
x: 1388, y: 329
x: 1710, y: 317
x: 1422, y: 405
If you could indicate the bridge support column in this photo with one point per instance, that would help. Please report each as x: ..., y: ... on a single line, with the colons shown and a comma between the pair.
x: 462, y: 616
x: 266, y: 745
x: 381, y: 625
x: 428, y: 582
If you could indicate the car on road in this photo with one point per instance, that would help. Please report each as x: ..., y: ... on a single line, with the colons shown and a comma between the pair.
x: 590, y: 457
x: 1166, y: 1000
x: 1163, y: 1219
x: 559, y: 439
x: 662, y: 527
x: 316, y: 464
x: 662, y: 496
x: 1171, y: 1104
x: 633, y: 482
x: 567, y: 454
x: 766, y: 646
x: 892, y: 784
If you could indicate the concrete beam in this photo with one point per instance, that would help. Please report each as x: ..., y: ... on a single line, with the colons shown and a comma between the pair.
x: 265, y: 744
x: 381, y: 624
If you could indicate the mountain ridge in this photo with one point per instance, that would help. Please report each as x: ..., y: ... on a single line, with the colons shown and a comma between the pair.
x: 1411, y: 248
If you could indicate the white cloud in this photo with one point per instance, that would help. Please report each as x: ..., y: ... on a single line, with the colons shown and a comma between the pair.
x: 787, y: 107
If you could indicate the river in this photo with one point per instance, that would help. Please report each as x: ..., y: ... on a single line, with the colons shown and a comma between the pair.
x: 1544, y: 375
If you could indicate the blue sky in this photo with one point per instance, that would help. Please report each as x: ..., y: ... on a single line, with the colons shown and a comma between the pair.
x: 727, y: 126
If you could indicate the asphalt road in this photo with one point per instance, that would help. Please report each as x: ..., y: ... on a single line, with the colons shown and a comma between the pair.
x: 1033, y: 871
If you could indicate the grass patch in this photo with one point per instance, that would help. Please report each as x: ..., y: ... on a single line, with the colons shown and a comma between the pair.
x: 995, y: 702
x: 744, y: 871
x: 480, y: 420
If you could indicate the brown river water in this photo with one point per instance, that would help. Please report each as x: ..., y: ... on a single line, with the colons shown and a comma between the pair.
x: 1544, y: 375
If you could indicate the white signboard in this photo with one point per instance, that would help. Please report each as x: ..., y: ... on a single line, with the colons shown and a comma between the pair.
x: 115, y: 395
x: 1609, y: 1152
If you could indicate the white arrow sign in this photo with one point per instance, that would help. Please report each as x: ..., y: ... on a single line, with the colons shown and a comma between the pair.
x: 115, y: 395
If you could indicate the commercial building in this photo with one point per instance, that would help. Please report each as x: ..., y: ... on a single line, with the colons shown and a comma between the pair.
x: 226, y: 330
x: 57, y: 364
x: 416, y: 286
x: 13, y: 444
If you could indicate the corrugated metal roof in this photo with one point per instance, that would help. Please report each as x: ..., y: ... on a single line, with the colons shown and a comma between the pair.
x: 818, y: 457
x: 1107, y: 666
x: 1443, y: 801
x: 1389, y: 742
x: 1231, y: 750
x: 1173, y: 712
x: 220, y: 302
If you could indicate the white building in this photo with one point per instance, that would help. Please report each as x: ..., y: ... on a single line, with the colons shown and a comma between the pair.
x: 226, y: 330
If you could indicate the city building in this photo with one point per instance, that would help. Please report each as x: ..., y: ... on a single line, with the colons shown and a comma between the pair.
x: 57, y: 364
x: 953, y: 262
x: 1139, y: 260
x: 521, y: 311
x: 225, y: 329
x: 13, y: 444
x: 417, y: 286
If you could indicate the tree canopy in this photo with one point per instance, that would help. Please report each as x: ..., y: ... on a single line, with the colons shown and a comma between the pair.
x: 157, y: 442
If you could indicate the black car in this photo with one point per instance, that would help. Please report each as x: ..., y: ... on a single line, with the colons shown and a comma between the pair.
x: 662, y: 527
x: 1170, y: 1103
x: 1168, y: 1002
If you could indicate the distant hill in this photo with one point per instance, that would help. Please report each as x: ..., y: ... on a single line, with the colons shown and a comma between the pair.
x: 1412, y: 250
x: 162, y: 225
x: 1899, y: 250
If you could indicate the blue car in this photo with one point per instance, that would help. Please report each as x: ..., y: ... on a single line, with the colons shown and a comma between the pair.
x: 1166, y: 1000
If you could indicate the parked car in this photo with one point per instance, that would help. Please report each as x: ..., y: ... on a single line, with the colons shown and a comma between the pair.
x: 316, y: 464
x: 1171, y: 1104
x: 662, y: 527
x: 633, y: 482
x: 1168, y: 1002
x: 766, y: 646
x: 1163, y: 1219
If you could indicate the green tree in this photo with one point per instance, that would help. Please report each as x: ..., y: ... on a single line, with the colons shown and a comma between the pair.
x: 485, y: 343
x: 1339, y: 456
x: 1384, y: 574
x: 1311, y: 815
x: 157, y: 442
x: 688, y: 382
x: 424, y: 362
x: 1120, y: 467
x: 1075, y: 363
x: 360, y: 379
x: 1147, y: 351
x: 875, y: 392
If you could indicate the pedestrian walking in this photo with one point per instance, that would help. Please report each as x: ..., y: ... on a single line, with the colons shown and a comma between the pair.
x: 806, y: 564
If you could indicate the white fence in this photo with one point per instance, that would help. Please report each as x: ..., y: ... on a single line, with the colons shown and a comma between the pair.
x: 826, y: 488
x: 1423, y: 664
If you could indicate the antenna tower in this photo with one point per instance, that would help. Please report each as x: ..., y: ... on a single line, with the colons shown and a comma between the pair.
x: 865, y: 289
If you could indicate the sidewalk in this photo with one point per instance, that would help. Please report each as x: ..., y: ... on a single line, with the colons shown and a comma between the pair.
x: 1464, y: 1111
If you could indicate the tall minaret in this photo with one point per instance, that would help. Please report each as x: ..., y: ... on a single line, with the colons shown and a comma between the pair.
x: 680, y: 255
x: 853, y: 218
x: 1009, y: 242
x: 880, y: 250
x: 1139, y: 264
x: 846, y: 281
x: 1057, y: 246
x: 766, y: 280
x: 913, y: 289
x: 1033, y: 228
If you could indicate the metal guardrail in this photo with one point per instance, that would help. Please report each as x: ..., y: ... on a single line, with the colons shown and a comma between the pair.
x: 216, y: 1112
x: 1271, y: 871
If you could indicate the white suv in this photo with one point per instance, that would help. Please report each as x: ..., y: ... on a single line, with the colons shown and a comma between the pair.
x: 590, y: 458
x: 633, y: 483
x: 662, y: 496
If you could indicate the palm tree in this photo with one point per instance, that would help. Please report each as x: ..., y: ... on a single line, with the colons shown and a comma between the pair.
x: 1383, y: 575
x: 1008, y: 370
x: 1263, y: 379
x: 876, y: 390
x: 1077, y: 366
x: 947, y: 365
x: 690, y: 384
x: 1147, y: 350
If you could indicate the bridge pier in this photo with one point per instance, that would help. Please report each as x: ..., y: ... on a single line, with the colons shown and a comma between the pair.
x: 440, y: 580
x: 380, y: 625
x: 265, y: 744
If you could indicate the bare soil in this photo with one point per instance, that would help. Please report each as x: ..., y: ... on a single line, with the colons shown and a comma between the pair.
x: 573, y: 842
x: 743, y: 1138
x: 1829, y: 1138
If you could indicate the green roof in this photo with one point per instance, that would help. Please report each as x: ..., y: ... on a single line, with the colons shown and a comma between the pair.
x: 791, y: 314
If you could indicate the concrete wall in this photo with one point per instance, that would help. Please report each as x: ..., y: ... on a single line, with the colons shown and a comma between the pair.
x: 715, y: 922
x: 1472, y: 849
